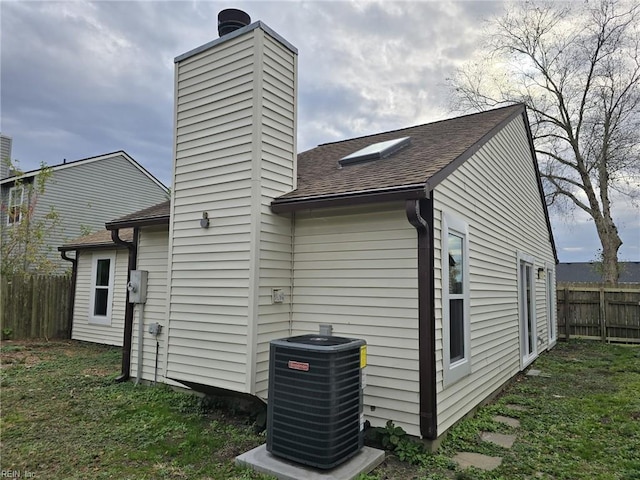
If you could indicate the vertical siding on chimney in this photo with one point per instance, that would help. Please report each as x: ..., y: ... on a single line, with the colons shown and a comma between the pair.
x: 235, y: 129
x: 212, y: 173
x: 278, y: 177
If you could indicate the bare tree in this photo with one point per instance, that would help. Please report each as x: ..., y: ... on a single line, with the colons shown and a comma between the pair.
x: 576, y: 66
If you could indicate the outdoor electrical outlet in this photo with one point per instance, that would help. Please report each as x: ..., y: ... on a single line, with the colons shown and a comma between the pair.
x: 155, y: 328
x: 277, y: 295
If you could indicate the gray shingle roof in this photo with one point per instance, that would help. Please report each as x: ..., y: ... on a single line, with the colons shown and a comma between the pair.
x: 101, y: 238
x: 433, y: 147
x: 155, y: 215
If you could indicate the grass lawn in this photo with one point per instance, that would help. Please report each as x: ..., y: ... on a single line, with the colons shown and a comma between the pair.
x: 64, y: 417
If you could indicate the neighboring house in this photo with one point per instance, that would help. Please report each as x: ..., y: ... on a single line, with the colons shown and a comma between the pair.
x: 432, y: 243
x: 85, y: 193
x: 5, y: 155
x: 587, y: 272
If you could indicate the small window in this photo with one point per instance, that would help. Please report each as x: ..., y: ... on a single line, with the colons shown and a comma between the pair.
x: 101, y: 289
x: 456, y: 321
x: 14, y: 212
x: 375, y: 151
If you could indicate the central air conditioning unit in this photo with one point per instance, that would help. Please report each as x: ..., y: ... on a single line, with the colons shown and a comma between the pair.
x: 314, y: 412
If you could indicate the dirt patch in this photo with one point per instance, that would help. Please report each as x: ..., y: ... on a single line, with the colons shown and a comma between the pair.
x: 19, y: 357
x: 28, y: 352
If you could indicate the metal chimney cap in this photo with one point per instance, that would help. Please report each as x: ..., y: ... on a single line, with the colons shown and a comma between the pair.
x: 231, y: 19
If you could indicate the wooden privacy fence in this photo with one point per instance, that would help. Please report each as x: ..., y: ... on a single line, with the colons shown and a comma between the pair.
x: 599, y: 312
x: 35, y: 307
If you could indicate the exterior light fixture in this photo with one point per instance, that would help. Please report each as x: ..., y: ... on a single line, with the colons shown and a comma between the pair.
x: 540, y: 273
x: 204, y: 221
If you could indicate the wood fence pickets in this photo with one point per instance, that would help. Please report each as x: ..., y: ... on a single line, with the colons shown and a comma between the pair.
x: 599, y: 312
x: 35, y: 307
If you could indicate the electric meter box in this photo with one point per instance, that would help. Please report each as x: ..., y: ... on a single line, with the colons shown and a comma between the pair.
x: 314, y: 410
x: 137, y: 286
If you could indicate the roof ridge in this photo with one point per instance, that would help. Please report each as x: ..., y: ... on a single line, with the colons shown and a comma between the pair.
x: 72, y: 162
x: 418, y: 125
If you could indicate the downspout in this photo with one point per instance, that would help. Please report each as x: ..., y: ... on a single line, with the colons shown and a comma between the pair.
x: 74, y: 276
x: 420, y: 215
x: 128, y: 313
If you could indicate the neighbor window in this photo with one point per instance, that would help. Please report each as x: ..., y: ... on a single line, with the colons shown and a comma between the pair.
x: 455, y: 299
x: 102, y: 275
x: 14, y: 212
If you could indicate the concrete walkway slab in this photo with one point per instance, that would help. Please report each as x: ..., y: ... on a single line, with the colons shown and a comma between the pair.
x: 500, y: 439
x: 262, y: 461
x: 477, y: 460
x: 512, y: 422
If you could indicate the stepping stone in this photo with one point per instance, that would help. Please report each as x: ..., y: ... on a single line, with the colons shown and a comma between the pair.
x: 512, y: 422
x: 505, y: 441
x: 518, y: 408
x: 483, y: 462
x: 533, y: 373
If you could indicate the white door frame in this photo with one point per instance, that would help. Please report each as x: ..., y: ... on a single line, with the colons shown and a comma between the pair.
x: 527, y: 309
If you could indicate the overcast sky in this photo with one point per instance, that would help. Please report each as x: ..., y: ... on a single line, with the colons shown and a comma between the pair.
x: 80, y: 79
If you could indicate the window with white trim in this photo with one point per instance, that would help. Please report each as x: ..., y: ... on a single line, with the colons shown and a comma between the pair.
x: 14, y: 211
x: 102, y: 278
x: 455, y: 299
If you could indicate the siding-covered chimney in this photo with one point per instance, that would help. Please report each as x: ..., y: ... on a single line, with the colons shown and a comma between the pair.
x: 235, y: 151
x: 5, y: 155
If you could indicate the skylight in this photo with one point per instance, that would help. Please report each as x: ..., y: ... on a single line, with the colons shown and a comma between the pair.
x: 375, y: 151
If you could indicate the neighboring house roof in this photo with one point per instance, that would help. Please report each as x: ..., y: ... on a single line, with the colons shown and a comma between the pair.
x: 156, y: 215
x: 99, y: 239
x: 84, y: 161
x: 434, y: 151
x: 587, y: 272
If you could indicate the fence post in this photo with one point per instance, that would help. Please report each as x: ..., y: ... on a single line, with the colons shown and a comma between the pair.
x: 603, y: 320
x: 567, y: 324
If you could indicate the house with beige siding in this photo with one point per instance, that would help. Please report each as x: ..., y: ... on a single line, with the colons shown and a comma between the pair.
x: 431, y: 242
x: 84, y: 193
x: 99, y: 286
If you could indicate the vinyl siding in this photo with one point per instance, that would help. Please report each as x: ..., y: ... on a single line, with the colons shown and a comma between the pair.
x: 496, y: 193
x: 356, y: 269
x: 276, y: 178
x: 153, y: 247
x: 232, y: 158
x: 82, y: 329
x: 5, y: 154
x: 88, y: 195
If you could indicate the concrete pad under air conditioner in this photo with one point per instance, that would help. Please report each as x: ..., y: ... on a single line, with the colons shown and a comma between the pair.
x: 260, y: 460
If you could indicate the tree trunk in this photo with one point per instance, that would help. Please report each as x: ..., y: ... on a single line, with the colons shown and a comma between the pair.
x: 611, y: 243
